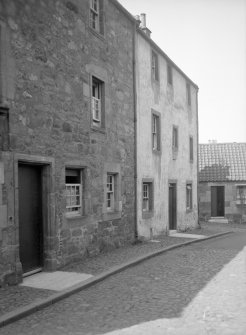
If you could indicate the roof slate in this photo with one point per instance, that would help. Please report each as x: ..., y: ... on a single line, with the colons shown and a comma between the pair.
x: 222, y: 162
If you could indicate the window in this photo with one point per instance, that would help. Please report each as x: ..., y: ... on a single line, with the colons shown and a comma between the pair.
x: 241, y: 194
x: 188, y: 196
x: 175, y: 138
x: 147, y: 200
x: 188, y: 94
x: 146, y: 197
x: 191, y: 148
x: 155, y: 132
x: 169, y: 75
x: 73, y: 191
x: 110, y: 192
x: 96, y: 17
x: 97, y: 102
x: 154, y: 66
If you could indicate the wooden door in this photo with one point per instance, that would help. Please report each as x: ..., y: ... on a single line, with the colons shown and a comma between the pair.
x: 30, y: 217
x: 217, y: 201
x: 172, y: 206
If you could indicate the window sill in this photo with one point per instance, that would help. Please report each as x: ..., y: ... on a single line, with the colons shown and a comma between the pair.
x: 111, y: 215
x: 156, y: 151
x: 74, y: 216
x: 240, y: 203
x: 99, y: 129
x: 175, y: 153
x: 97, y: 33
x: 147, y: 215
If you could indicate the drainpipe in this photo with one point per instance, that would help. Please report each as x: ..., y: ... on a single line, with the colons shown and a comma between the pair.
x: 135, y: 129
x: 197, y: 126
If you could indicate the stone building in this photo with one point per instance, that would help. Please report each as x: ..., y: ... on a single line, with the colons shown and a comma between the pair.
x: 67, y: 132
x: 222, y: 182
x: 167, y: 141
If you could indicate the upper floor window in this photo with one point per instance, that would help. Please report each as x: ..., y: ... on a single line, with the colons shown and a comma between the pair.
x: 175, y: 138
x: 169, y: 75
x: 154, y: 66
x: 96, y: 15
x: 73, y: 191
x: 191, y: 148
x: 155, y: 132
x: 97, y: 101
x: 188, y: 94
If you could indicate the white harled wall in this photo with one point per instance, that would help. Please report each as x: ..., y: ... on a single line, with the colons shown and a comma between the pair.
x: 172, y: 105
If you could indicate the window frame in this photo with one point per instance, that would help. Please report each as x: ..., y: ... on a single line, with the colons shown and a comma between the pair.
x: 169, y: 75
x: 191, y: 148
x: 156, y: 131
x: 99, y: 101
x: 111, y: 192
x: 154, y: 66
x: 175, y: 138
x: 79, y: 185
x: 239, y: 200
x: 189, y: 197
x: 149, y: 183
x: 97, y: 16
x: 188, y: 94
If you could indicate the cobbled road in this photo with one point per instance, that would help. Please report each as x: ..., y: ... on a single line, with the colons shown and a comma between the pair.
x: 160, y: 287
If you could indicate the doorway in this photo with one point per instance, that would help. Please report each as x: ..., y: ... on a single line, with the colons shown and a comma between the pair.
x: 217, y: 201
x: 30, y: 217
x: 172, y: 206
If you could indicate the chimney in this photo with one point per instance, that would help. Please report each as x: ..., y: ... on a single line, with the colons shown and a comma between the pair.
x: 138, y: 21
x: 143, y: 24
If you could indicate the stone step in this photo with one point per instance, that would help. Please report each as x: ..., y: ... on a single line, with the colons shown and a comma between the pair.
x: 218, y: 220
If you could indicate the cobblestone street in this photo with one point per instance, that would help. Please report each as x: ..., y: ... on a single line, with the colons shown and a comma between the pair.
x: 157, y: 293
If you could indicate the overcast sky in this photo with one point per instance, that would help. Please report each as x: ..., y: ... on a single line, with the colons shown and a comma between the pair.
x: 207, y: 40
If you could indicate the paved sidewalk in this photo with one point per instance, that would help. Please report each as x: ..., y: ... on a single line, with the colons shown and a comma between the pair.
x: 15, y: 297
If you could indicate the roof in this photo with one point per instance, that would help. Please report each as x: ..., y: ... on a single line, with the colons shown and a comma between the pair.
x: 222, y: 162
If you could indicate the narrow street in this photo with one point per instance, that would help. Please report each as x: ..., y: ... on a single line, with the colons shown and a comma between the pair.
x: 198, y: 289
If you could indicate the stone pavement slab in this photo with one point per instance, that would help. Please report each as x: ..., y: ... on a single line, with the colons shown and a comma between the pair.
x: 56, y: 281
x: 187, y: 235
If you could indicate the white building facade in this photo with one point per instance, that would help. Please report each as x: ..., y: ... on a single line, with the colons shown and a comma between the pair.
x: 167, y: 141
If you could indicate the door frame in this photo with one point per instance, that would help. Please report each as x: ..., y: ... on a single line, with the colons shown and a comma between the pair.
x: 212, y: 204
x: 172, y: 181
x: 47, y: 189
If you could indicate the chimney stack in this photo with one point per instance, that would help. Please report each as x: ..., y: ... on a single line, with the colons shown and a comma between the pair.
x: 143, y: 25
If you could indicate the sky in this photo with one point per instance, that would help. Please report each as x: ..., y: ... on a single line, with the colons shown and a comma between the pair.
x: 207, y: 40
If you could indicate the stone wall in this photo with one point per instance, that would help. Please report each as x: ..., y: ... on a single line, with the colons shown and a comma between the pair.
x: 54, y: 54
x: 234, y: 211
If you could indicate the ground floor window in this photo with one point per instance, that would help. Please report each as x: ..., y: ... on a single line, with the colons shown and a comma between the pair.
x: 110, y: 191
x: 188, y: 196
x: 241, y: 194
x: 147, y: 198
x: 73, y: 191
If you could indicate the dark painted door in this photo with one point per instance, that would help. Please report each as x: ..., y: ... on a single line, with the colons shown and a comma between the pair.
x: 172, y: 206
x: 30, y: 217
x: 217, y: 201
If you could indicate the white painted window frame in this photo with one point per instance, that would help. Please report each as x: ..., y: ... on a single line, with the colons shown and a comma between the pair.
x: 94, y: 14
x: 110, y: 196
x: 146, y: 197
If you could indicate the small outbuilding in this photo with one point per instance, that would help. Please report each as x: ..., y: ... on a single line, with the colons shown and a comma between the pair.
x: 222, y: 182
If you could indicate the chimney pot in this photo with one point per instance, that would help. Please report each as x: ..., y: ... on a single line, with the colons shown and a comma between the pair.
x: 143, y: 20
